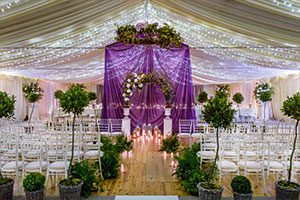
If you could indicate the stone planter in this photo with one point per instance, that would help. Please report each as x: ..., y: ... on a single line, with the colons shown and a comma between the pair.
x: 285, y: 193
x: 36, y: 195
x: 70, y: 192
x: 167, y: 112
x: 206, y: 194
x: 126, y: 112
x: 239, y: 196
x: 7, y: 191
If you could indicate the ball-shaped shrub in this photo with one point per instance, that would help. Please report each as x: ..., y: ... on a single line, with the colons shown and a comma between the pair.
x: 202, y: 97
x: 241, y: 184
x: 238, y: 98
x: 34, y: 181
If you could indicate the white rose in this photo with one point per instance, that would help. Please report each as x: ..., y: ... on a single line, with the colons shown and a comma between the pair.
x: 135, y: 80
x: 140, y: 85
x: 124, y: 95
x: 142, y: 75
x: 126, y: 99
x: 135, y: 75
x: 130, y: 94
x: 129, y: 80
x: 128, y: 85
x: 128, y: 91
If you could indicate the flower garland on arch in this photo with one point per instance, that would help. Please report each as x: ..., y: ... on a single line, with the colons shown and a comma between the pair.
x: 139, y: 80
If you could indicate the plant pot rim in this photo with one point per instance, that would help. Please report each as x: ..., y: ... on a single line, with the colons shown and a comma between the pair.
x: 43, y: 189
x: 287, y: 189
x: 242, y: 194
x: 7, y: 184
x: 217, y: 191
x: 69, y: 187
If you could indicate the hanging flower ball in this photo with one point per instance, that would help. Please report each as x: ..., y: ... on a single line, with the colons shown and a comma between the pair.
x: 135, y: 80
x: 135, y: 75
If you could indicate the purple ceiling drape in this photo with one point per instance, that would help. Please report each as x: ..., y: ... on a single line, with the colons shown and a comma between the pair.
x: 147, y: 106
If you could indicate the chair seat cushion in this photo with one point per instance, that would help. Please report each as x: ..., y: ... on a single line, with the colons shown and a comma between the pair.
x: 229, y: 154
x: 60, y: 165
x: 76, y: 153
x: 54, y: 153
x: 12, y: 165
x: 210, y: 145
x: 250, y: 164
x: 32, y: 154
x: 206, y: 154
x: 35, y: 165
x: 93, y: 153
x: 225, y: 164
x: 274, y: 164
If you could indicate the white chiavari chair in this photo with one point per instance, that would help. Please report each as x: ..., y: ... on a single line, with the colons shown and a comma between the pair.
x: 104, y: 126
x: 199, y: 129
x: 115, y: 127
x: 185, y: 130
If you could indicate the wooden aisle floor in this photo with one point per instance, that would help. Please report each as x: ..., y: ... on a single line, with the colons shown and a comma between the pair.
x: 148, y: 172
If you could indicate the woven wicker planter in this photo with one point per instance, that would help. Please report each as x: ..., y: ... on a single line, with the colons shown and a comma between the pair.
x: 205, y: 194
x: 7, y: 191
x: 70, y: 192
x: 286, y: 194
x: 239, y: 196
x: 36, y: 195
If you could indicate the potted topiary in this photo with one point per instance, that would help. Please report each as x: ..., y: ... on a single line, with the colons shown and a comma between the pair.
x: 74, y: 100
x: 238, y: 99
x: 33, y: 93
x: 202, y: 98
x: 7, y: 110
x: 219, y: 114
x: 241, y: 188
x: 286, y: 189
x: 34, y: 186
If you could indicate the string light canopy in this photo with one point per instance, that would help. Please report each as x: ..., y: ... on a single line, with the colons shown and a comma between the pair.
x: 230, y: 41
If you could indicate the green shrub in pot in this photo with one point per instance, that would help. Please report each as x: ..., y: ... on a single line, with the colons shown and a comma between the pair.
x: 34, y: 186
x: 241, y: 188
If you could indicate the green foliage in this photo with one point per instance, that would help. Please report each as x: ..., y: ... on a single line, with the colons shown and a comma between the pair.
x: 188, y: 170
x: 92, y: 96
x: 4, y: 181
x: 224, y: 88
x: 70, y: 182
x: 288, y: 185
x: 82, y: 170
x: 210, y: 186
x: 291, y: 106
x: 58, y: 94
x: 34, y: 181
x: 111, y: 161
x: 263, y: 92
x: 74, y: 100
x: 7, y: 105
x: 170, y: 144
x: 221, y: 94
x: 33, y: 92
x: 241, y: 184
x: 123, y: 144
x: 238, y: 98
x: 202, y: 97
x: 149, y: 34
x: 218, y: 112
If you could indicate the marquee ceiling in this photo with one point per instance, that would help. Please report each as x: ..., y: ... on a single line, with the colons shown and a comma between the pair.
x: 230, y: 40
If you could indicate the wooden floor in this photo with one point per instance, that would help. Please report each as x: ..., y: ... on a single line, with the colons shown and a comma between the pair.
x: 148, y: 172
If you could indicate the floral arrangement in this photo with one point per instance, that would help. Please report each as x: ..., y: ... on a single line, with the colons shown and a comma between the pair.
x: 138, y: 80
x: 263, y: 92
x: 144, y: 33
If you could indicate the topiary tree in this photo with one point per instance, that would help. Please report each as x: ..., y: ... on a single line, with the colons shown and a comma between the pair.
x: 7, y: 110
x: 202, y: 98
x: 33, y: 93
x: 291, y: 108
x: 57, y: 94
x: 93, y: 97
x: 219, y: 114
x: 238, y: 99
x: 74, y: 100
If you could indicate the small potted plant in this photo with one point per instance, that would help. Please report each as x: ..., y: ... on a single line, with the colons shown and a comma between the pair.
x: 219, y: 114
x: 202, y: 98
x: 241, y: 188
x: 238, y: 99
x: 34, y: 186
x: 74, y: 100
x: 7, y: 110
x: 286, y: 189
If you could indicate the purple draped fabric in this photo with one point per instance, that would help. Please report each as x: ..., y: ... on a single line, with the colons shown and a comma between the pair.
x: 147, y: 106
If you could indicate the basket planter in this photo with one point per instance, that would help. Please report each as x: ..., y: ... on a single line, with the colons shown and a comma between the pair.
x: 240, y: 196
x: 7, y: 191
x: 36, y: 195
x: 285, y: 193
x: 70, y: 192
x: 206, y: 194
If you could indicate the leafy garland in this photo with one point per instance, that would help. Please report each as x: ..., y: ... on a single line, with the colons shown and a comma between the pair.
x: 138, y: 80
x: 144, y: 33
x: 263, y: 92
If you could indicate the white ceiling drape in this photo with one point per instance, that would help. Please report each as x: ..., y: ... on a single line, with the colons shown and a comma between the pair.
x: 64, y: 40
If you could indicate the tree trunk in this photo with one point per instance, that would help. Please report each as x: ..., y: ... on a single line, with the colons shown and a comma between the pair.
x: 96, y: 123
x: 265, y: 103
x: 29, y: 120
x: 239, y: 112
x: 294, y: 146
x: 72, y: 155
x: 212, y: 169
